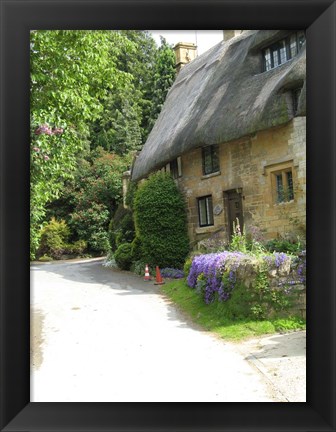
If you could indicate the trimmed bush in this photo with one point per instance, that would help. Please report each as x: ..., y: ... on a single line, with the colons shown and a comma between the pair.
x: 137, y: 250
x: 123, y: 256
x: 161, y: 223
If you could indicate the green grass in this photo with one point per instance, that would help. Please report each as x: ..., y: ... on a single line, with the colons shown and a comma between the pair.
x: 214, y: 318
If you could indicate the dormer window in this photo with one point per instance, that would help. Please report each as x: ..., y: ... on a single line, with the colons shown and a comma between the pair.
x: 283, y: 50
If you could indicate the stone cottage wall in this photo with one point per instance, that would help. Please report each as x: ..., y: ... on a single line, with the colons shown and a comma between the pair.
x: 250, y: 164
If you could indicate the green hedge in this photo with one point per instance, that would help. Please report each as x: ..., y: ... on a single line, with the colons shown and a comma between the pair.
x: 161, y: 223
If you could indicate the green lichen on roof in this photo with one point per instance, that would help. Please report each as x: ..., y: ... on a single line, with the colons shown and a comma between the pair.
x: 222, y: 96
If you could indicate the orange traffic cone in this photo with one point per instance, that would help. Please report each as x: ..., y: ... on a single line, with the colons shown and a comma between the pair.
x: 159, y: 280
x: 147, y: 277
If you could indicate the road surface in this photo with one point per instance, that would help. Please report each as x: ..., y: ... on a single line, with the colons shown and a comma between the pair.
x: 103, y: 335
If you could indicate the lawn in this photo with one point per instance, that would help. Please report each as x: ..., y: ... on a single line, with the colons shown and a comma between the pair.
x: 214, y: 318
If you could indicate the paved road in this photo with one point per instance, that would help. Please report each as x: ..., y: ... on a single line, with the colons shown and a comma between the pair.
x: 101, y: 335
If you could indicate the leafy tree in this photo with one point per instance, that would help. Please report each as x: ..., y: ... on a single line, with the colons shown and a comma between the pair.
x: 89, y: 89
x: 131, y: 109
x: 90, y: 199
x: 141, y: 65
x: 164, y: 77
x: 118, y: 130
x: 71, y: 72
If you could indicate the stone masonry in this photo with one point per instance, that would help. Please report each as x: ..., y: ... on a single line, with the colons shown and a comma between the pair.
x: 248, y: 166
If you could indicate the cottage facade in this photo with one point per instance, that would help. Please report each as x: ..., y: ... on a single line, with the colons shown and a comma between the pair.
x: 232, y: 134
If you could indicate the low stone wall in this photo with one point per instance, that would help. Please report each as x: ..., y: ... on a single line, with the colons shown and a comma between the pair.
x: 270, y: 285
x: 285, y: 274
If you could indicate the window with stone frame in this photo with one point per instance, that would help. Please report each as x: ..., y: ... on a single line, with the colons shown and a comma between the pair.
x: 205, y: 211
x: 283, y: 50
x: 282, y: 185
x: 210, y: 159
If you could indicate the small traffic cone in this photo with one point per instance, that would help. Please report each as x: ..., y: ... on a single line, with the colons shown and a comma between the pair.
x: 159, y: 280
x: 147, y: 276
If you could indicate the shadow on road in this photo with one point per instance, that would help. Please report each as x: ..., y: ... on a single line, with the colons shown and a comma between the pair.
x: 279, y: 346
x: 123, y: 283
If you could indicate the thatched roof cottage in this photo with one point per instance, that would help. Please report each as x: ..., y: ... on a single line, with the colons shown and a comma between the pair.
x: 232, y: 133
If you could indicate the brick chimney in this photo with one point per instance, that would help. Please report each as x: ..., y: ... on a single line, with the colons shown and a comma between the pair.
x: 185, y: 52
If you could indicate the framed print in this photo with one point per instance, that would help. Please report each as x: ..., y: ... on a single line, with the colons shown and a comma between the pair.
x: 18, y: 18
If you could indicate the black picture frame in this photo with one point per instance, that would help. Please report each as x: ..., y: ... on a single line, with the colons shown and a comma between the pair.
x: 17, y: 19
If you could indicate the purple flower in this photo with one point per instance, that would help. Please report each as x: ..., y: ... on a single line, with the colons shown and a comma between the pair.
x: 279, y: 259
x: 212, y: 267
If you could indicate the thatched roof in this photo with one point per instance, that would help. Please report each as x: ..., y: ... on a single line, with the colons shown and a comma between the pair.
x: 221, y: 96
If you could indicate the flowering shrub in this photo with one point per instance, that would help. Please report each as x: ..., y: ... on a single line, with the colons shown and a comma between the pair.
x: 256, y: 286
x: 238, y: 239
x: 301, y: 268
x: 123, y: 256
x: 217, y: 277
x: 278, y: 259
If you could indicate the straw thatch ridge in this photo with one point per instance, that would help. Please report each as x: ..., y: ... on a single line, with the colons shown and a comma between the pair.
x: 222, y: 96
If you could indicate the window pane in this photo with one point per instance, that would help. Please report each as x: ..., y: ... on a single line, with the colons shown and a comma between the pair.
x: 279, y: 188
x: 283, y: 55
x: 290, y: 185
x: 267, y: 59
x: 293, y: 46
x: 202, y: 211
x: 209, y: 211
x: 174, y: 168
x: 275, y: 57
x: 207, y: 160
x: 210, y: 159
x: 205, y: 211
x: 215, y: 158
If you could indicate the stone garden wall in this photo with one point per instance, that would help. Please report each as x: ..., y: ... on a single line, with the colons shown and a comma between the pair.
x: 271, y: 285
